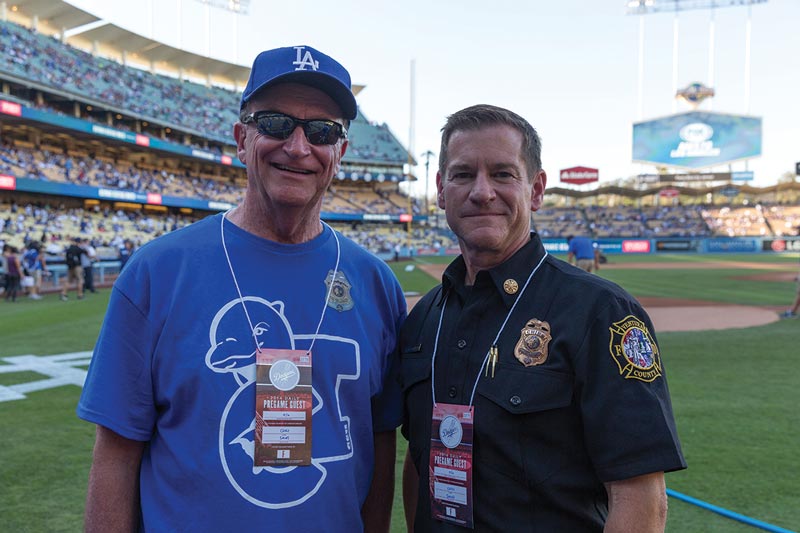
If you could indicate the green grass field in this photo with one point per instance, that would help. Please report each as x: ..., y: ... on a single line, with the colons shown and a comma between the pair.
x: 735, y: 395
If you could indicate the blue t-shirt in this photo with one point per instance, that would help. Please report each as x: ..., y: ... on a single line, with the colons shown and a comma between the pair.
x: 174, y: 365
x: 582, y: 247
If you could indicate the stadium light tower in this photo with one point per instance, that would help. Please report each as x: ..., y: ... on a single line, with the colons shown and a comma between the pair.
x: 237, y: 6
x: 643, y: 7
x: 646, y: 7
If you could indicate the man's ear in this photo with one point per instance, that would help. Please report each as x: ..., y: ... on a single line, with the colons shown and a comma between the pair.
x: 537, y: 190
x: 440, y: 190
x: 240, y: 133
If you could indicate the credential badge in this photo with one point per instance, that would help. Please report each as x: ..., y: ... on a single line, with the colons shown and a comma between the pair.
x: 340, y: 298
x: 634, y: 350
x: 531, y: 349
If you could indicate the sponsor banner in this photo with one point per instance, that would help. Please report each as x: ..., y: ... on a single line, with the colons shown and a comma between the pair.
x: 747, y: 175
x: 695, y: 177
x: 377, y: 216
x: 154, y: 198
x: 8, y: 182
x: 635, y: 246
x: 731, y: 245
x: 579, y: 175
x: 697, y: 139
x: 10, y: 108
x: 405, y: 217
x: 781, y: 245
x: 730, y: 192
x: 610, y: 246
x: 555, y: 246
x: 427, y: 251
x: 669, y: 193
x: 676, y: 246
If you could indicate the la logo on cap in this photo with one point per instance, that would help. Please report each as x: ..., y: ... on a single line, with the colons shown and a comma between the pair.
x: 306, y: 60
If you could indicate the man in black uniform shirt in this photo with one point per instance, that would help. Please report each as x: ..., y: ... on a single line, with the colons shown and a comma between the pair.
x: 535, y: 395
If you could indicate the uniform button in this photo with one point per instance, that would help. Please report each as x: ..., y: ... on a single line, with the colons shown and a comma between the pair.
x: 515, y: 400
x: 452, y: 392
x: 461, y: 343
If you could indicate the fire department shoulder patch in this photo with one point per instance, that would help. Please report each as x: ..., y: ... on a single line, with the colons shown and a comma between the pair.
x: 634, y: 350
x: 340, y: 298
x: 531, y: 348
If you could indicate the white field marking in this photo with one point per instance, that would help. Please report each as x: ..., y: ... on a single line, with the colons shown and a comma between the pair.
x: 60, y: 369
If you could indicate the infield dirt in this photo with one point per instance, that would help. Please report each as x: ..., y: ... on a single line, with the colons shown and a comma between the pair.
x: 672, y: 314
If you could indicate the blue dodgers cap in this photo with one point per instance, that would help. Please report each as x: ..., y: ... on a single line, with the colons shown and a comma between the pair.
x: 306, y: 65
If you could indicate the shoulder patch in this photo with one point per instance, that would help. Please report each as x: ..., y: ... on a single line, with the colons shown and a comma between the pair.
x: 634, y: 350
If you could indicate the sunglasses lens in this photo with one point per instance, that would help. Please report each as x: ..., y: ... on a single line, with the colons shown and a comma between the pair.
x: 321, y: 132
x: 277, y: 126
x: 280, y: 126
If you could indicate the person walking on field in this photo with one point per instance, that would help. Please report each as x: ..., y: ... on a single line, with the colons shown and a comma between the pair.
x: 36, y: 265
x: 13, y: 272
x: 583, y: 253
x: 73, y: 260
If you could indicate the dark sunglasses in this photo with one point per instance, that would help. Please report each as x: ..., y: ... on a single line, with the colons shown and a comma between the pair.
x: 281, y: 126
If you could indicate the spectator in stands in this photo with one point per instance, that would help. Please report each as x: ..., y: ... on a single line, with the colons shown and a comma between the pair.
x: 13, y: 272
x: 265, y: 285
x: 74, y: 259
x: 583, y: 253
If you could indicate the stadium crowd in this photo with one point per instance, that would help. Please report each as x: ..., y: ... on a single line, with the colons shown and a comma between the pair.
x: 46, y: 60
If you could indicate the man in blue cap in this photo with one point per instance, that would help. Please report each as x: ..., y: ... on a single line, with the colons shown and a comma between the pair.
x: 245, y: 374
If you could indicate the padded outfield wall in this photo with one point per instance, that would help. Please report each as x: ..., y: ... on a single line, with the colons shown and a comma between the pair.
x: 634, y: 246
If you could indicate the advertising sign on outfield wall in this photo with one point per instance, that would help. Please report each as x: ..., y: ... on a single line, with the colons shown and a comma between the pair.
x: 676, y: 245
x: 696, y: 139
x: 731, y: 245
x: 637, y: 246
x: 781, y: 245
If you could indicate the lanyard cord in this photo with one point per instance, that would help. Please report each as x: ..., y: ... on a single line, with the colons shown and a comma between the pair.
x: 494, y: 343
x: 239, y: 291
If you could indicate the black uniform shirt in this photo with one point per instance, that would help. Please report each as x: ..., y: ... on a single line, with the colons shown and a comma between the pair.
x: 593, y: 407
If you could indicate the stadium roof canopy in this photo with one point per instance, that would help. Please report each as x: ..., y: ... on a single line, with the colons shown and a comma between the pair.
x: 80, y: 27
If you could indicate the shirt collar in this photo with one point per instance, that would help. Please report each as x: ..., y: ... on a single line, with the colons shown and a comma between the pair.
x: 518, y: 267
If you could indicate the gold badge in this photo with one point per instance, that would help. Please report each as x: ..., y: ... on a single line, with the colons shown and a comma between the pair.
x: 510, y: 286
x: 340, y: 298
x: 634, y: 350
x: 531, y: 349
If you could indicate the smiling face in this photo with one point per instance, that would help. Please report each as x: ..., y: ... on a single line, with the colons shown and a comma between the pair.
x: 291, y: 175
x: 488, y: 194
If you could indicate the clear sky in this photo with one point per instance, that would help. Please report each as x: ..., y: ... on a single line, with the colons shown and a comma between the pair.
x: 569, y: 66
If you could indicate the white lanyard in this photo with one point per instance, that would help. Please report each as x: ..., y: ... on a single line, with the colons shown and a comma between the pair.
x: 494, y: 343
x: 239, y: 292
